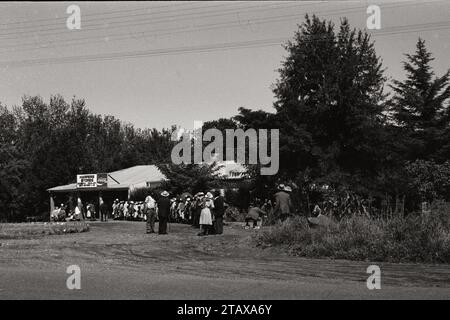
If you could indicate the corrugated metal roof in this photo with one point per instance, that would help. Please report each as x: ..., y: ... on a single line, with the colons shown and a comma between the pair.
x: 125, y: 178
x: 140, y: 175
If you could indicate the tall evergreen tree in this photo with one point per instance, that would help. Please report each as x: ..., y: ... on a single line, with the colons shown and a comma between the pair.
x: 420, y: 107
x: 329, y: 102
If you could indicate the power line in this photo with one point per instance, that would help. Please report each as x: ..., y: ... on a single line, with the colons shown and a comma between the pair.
x: 144, y: 53
x: 56, y: 20
x: 167, y: 51
x: 188, y: 16
x: 177, y: 30
x: 178, y: 5
x: 168, y: 18
x: 142, y: 12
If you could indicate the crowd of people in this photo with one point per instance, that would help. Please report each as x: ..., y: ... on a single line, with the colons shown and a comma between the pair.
x: 204, y: 211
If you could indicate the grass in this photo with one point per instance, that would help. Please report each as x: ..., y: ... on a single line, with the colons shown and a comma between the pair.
x: 33, y: 230
x: 416, y: 238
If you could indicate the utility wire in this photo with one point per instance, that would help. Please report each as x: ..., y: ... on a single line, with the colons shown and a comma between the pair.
x: 167, y: 51
x: 188, y: 16
x: 169, y: 18
x: 172, y: 31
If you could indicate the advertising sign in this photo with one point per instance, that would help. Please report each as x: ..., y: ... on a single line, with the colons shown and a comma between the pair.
x: 102, y: 179
x: 92, y: 180
x: 86, y: 180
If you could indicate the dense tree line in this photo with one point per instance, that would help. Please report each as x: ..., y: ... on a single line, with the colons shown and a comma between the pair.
x: 342, y: 125
x: 47, y: 144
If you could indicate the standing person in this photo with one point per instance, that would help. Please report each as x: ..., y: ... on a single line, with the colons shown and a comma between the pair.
x: 188, y: 210
x: 121, y: 210
x: 150, y: 212
x: 79, y: 210
x: 194, y: 209
x: 91, y: 211
x: 205, y: 215
x: 103, y: 208
x: 163, y: 212
x: 173, y: 209
x: 115, y: 209
x: 219, y: 210
x: 180, y: 209
x: 283, y: 204
x: 125, y: 210
x: 198, y: 209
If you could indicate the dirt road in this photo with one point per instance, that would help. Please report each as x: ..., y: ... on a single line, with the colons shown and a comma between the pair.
x: 119, y: 261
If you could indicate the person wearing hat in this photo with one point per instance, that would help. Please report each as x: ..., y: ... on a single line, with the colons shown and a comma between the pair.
x: 163, y: 212
x: 103, y: 210
x: 79, y: 210
x: 219, y: 210
x: 206, y: 216
x: 115, y: 209
x: 197, y: 209
x: 188, y: 210
x: 150, y: 212
x: 283, y: 204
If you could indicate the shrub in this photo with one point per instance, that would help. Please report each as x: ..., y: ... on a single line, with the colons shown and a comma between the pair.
x: 234, y: 214
x: 31, y: 230
x: 416, y: 238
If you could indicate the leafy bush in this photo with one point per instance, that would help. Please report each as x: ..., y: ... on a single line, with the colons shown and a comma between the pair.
x: 429, y: 179
x: 31, y: 230
x: 234, y: 214
x: 416, y: 238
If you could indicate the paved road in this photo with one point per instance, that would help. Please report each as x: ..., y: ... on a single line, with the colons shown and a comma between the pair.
x: 118, y: 261
x: 122, y: 284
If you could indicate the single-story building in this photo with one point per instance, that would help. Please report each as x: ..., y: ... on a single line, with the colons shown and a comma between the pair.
x: 119, y: 184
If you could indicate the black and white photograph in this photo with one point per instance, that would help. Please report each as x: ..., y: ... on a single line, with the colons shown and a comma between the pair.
x: 225, y: 155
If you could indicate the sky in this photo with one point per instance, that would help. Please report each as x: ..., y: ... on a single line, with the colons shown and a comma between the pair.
x: 156, y: 64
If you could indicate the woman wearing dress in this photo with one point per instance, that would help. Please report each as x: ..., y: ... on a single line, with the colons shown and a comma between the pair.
x: 205, y: 215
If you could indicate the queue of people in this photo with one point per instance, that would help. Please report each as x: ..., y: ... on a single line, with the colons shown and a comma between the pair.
x: 128, y: 210
x: 204, y: 211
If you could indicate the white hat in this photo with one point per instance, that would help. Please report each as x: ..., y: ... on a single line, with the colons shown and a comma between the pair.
x: 209, y: 195
x: 165, y: 193
x: 281, y: 186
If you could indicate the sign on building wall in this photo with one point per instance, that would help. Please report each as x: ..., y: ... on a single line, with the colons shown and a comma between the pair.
x: 86, y: 180
x: 102, y: 179
x: 92, y: 180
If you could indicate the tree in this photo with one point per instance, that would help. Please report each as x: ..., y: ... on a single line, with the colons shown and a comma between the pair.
x: 420, y: 107
x: 191, y: 178
x: 429, y: 180
x: 329, y: 103
x: 48, y: 144
x: 12, y: 166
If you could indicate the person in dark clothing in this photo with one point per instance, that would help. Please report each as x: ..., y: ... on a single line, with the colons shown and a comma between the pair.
x: 163, y: 212
x: 254, y: 214
x: 283, y: 205
x: 197, y: 209
x: 219, y: 210
x: 103, y: 210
